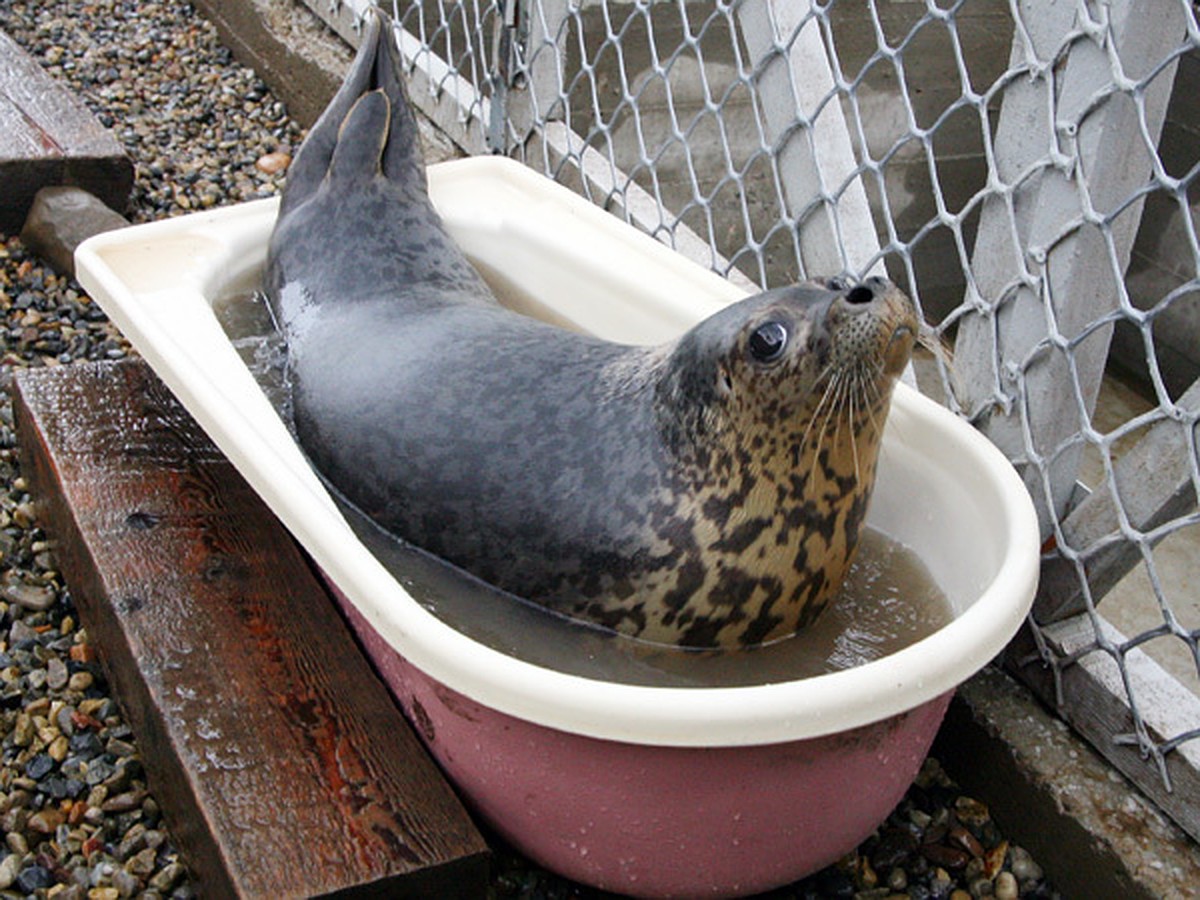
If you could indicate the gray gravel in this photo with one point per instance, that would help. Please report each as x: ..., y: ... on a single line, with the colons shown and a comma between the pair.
x: 77, y: 816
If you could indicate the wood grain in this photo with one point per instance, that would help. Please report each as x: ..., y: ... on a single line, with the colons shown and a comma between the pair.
x: 283, y: 765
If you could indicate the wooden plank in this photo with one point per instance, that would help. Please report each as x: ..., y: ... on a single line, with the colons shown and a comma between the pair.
x: 1090, y: 696
x: 1154, y: 481
x: 1065, y: 155
x: 48, y: 137
x: 283, y: 765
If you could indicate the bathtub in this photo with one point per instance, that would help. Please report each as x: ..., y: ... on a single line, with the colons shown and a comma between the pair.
x: 653, y: 791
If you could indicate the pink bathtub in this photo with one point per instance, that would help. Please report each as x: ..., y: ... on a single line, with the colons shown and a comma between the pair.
x: 663, y: 821
x: 644, y: 790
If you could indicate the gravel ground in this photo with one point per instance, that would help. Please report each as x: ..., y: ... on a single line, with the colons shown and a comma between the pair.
x: 77, y: 816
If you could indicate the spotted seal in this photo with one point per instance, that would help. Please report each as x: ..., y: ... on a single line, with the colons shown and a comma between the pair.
x: 708, y: 492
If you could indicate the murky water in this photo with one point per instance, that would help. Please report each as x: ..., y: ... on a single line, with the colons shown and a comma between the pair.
x: 887, y: 603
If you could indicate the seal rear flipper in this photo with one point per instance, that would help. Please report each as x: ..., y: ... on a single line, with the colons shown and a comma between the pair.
x: 360, y: 142
x: 311, y: 164
x: 402, y: 157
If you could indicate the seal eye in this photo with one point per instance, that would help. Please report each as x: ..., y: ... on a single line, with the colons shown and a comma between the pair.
x: 767, y: 341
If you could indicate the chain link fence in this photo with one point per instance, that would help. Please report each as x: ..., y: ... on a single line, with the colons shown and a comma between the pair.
x: 1026, y: 169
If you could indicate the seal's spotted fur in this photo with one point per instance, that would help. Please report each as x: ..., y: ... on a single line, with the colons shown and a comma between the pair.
x: 707, y: 493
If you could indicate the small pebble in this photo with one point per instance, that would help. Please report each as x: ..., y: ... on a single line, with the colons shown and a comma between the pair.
x: 141, y: 864
x: 40, y: 766
x: 46, y: 821
x: 20, y: 633
x: 960, y: 837
x: 1006, y: 886
x: 56, y: 674
x: 23, y: 731
x: 123, y: 802
x: 81, y: 681
x: 127, y: 883
x: 167, y: 877
x: 31, y: 878
x: 993, y: 860
x: 273, y: 163
x: 980, y: 887
x: 58, y: 748
x: 971, y: 812
x: 919, y: 818
x: 949, y: 858
x: 29, y: 596
x: 9, y: 867
x: 1023, y: 866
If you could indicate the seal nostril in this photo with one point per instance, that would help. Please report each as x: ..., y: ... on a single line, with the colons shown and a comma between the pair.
x: 860, y: 295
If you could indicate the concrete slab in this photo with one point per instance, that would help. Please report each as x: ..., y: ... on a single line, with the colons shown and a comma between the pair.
x: 62, y: 218
x: 299, y: 56
x: 1089, y: 828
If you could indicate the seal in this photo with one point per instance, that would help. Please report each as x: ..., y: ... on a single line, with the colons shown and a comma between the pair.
x: 708, y: 492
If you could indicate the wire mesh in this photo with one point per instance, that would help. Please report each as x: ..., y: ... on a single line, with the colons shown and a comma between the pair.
x: 1026, y: 170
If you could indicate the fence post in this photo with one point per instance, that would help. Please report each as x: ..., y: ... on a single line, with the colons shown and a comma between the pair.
x: 543, y: 25
x: 809, y: 136
x: 1055, y: 237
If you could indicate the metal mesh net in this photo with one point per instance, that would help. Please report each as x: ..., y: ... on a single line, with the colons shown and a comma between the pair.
x: 1027, y: 170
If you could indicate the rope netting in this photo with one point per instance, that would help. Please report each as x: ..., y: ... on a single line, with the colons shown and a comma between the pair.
x: 1026, y: 170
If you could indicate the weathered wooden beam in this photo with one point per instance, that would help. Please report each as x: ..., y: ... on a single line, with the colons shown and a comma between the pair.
x: 1091, y: 696
x: 283, y: 765
x: 1154, y: 483
x: 48, y: 137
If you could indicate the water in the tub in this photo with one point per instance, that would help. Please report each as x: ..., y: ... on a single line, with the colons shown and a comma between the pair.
x: 888, y: 601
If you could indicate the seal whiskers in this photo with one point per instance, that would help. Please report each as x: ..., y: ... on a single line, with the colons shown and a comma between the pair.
x: 707, y: 492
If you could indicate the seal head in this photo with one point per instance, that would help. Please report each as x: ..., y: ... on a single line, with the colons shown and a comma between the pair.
x: 707, y: 492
